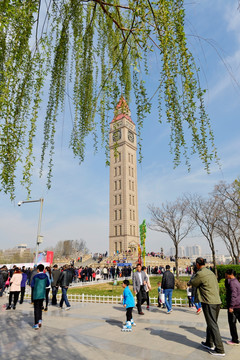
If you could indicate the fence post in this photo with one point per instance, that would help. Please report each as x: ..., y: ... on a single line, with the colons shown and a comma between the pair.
x: 82, y: 297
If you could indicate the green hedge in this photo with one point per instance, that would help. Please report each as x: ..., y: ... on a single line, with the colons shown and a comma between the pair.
x: 221, y: 269
x: 222, y: 293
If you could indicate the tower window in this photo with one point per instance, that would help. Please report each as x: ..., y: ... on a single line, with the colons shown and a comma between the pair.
x: 133, y: 185
x: 133, y: 215
x: 115, y: 214
x: 130, y: 229
x: 115, y: 185
x: 120, y: 229
x: 129, y: 171
x: 115, y: 171
x: 115, y: 230
x: 129, y: 184
x: 132, y: 158
x: 119, y: 185
x: 120, y: 214
x: 132, y: 172
x: 133, y: 230
x: 120, y: 199
x: 119, y: 170
x: 115, y: 199
x: 119, y: 157
x: 130, y: 214
x: 133, y: 200
x: 130, y: 199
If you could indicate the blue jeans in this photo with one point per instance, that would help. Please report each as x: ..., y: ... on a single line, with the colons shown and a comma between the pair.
x: 64, y: 297
x: 168, y: 298
x: 198, y: 305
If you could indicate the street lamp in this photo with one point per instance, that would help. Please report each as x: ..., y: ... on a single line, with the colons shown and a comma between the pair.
x: 39, y: 237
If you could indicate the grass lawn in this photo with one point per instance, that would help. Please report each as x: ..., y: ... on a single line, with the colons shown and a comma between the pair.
x: 110, y: 289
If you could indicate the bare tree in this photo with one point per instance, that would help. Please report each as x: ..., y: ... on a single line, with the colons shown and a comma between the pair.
x: 71, y: 248
x: 228, y: 224
x: 172, y: 219
x: 205, y: 213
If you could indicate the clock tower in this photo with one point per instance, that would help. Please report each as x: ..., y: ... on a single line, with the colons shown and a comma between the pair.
x: 123, y: 216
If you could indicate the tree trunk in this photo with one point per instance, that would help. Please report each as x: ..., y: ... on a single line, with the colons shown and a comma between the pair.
x: 176, y: 260
x: 214, y: 261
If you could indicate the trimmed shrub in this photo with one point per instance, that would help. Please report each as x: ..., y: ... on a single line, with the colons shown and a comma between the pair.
x: 221, y: 269
x: 222, y: 293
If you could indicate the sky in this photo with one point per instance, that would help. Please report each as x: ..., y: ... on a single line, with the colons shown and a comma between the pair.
x: 77, y: 206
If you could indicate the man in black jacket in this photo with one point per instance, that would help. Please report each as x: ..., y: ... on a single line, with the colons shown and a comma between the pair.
x: 64, y: 281
x: 168, y: 283
x: 55, y: 276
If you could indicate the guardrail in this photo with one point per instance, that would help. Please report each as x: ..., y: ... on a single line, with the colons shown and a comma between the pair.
x: 107, y: 299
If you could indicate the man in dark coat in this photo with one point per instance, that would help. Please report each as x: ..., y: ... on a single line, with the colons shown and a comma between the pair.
x: 65, y: 279
x: 233, y: 304
x: 168, y: 283
x: 55, y: 276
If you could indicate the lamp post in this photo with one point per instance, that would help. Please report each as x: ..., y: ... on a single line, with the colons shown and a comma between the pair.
x: 39, y: 237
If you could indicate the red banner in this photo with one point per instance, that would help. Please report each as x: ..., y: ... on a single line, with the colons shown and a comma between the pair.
x: 49, y: 257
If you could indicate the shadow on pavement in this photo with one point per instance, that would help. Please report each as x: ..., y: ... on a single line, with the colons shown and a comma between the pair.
x: 174, y: 337
x: 115, y: 323
x: 194, y: 331
x: 119, y: 308
x: 19, y: 341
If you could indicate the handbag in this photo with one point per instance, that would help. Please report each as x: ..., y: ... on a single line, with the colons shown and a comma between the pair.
x: 7, y: 283
x: 162, y: 298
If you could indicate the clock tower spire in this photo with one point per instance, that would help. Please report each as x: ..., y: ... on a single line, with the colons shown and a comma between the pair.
x: 123, y: 214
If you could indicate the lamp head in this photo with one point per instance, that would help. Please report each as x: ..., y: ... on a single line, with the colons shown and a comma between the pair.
x: 20, y: 203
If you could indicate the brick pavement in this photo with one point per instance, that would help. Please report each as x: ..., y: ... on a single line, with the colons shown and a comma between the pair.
x: 93, y: 331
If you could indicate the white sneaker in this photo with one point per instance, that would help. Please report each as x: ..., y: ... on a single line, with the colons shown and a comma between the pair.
x: 216, y: 353
x: 68, y: 308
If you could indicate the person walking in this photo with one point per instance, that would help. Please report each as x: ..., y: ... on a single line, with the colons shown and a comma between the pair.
x: 48, y: 272
x: 139, y: 282
x: 64, y: 281
x: 33, y: 273
x: 55, y: 276
x: 1, y: 284
x: 233, y: 304
x: 23, y: 286
x: 208, y: 294
x: 15, y: 288
x: 39, y: 283
x: 168, y: 283
x: 148, y: 286
x: 4, y: 275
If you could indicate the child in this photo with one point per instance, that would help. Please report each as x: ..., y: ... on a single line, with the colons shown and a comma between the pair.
x: 39, y: 283
x: 128, y: 303
x: 160, y: 295
x: 189, y: 295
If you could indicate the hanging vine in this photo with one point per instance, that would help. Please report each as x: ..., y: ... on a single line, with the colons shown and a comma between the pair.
x: 106, y: 46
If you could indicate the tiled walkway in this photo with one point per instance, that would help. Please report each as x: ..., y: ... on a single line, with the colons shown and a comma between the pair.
x: 93, y: 331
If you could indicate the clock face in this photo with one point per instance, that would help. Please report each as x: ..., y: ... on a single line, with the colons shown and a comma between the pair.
x: 130, y: 136
x: 117, y: 135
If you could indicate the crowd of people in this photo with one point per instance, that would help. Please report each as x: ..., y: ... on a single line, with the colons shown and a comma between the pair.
x: 202, y: 291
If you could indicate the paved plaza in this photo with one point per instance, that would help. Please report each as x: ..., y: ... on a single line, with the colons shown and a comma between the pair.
x: 93, y: 331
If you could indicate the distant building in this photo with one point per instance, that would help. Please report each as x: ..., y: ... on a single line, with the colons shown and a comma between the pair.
x: 16, y: 254
x: 181, y: 251
x: 194, y: 250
